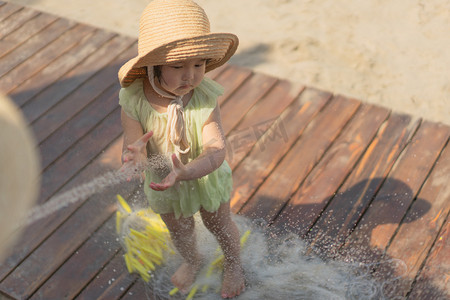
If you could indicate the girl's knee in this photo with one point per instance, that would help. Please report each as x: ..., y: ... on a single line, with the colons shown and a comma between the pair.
x: 218, y: 221
x: 180, y: 226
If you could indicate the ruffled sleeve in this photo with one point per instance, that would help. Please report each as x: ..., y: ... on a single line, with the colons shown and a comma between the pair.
x: 206, y: 98
x: 211, y: 88
x: 129, y: 98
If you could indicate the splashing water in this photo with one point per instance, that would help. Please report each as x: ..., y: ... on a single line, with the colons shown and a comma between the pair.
x: 158, y: 163
x: 276, y: 268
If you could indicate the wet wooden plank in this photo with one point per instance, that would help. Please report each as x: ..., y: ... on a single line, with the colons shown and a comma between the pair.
x: 351, y: 201
x: 32, y: 45
x: 284, y: 181
x: 421, y: 226
x: 25, y: 32
x: 35, y: 269
x: 111, y: 282
x: 83, y: 265
x: 434, y: 279
x: 378, y: 225
x: 138, y: 291
x: 32, y: 237
x: 54, y: 251
x: 39, y: 61
x: 15, y: 20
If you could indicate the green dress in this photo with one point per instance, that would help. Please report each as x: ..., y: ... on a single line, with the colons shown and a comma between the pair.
x: 186, y: 197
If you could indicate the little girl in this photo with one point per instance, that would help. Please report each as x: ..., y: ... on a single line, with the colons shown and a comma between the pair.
x: 168, y: 106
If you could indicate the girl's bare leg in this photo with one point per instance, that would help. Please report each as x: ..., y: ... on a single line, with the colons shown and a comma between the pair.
x: 182, y: 231
x: 225, y: 230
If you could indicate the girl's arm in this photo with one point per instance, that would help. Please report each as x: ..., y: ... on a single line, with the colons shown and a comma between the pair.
x: 213, y: 155
x: 134, y: 149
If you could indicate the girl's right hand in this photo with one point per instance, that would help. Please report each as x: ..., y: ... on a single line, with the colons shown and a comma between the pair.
x: 135, y: 155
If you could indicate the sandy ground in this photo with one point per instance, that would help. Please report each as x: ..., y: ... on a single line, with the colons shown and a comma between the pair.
x: 392, y: 53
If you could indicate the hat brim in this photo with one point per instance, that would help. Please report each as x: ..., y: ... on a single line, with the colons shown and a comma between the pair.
x: 217, y: 48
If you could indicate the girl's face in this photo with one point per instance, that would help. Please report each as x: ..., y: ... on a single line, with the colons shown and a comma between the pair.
x: 180, y: 78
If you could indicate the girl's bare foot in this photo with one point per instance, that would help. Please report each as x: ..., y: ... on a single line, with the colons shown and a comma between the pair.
x: 233, y: 283
x: 185, y: 276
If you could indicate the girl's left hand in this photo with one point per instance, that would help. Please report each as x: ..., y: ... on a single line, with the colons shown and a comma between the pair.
x: 178, y: 172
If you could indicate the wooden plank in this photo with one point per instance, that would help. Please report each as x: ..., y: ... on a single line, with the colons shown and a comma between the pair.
x: 41, y: 229
x: 37, y: 42
x: 46, y: 78
x: 25, y: 32
x: 215, y: 73
x: 272, y: 145
x: 280, y: 185
x: 272, y: 105
x: 264, y: 114
x: 434, y: 279
x: 380, y: 222
x: 111, y: 283
x: 8, y: 9
x: 16, y: 20
x: 82, y: 266
x: 304, y: 207
x: 65, y: 137
x: 79, y: 156
x: 357, y: 192
x: 138, y: 291
x: 421, y: 226
x: 68, y: 237
x: 304, y: 155
x: 82, y: 96
x: 91, y: 64
x: 38, y: 232
x: 232, y: 77
x: 54, y: 251
x: 21, y: 73
x: 248, y: 94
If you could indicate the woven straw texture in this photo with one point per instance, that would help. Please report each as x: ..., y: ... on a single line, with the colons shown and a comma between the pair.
x: 172, y: 31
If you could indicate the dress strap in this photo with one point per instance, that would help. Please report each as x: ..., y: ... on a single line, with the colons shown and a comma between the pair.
x: 176, y: 129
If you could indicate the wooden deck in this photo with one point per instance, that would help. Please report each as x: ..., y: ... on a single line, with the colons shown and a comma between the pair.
x: 355, y: 180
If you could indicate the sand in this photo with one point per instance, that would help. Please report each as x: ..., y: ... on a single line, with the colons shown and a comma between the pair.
x: 391, y: 53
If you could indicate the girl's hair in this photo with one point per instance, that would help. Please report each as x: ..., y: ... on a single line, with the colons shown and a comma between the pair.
x: 157, y: 72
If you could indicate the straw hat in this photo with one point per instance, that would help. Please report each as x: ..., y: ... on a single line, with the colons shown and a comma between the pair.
x: 172, y: 31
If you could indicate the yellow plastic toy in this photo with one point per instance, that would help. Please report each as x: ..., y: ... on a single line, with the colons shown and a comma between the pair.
x: 144, y: 237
